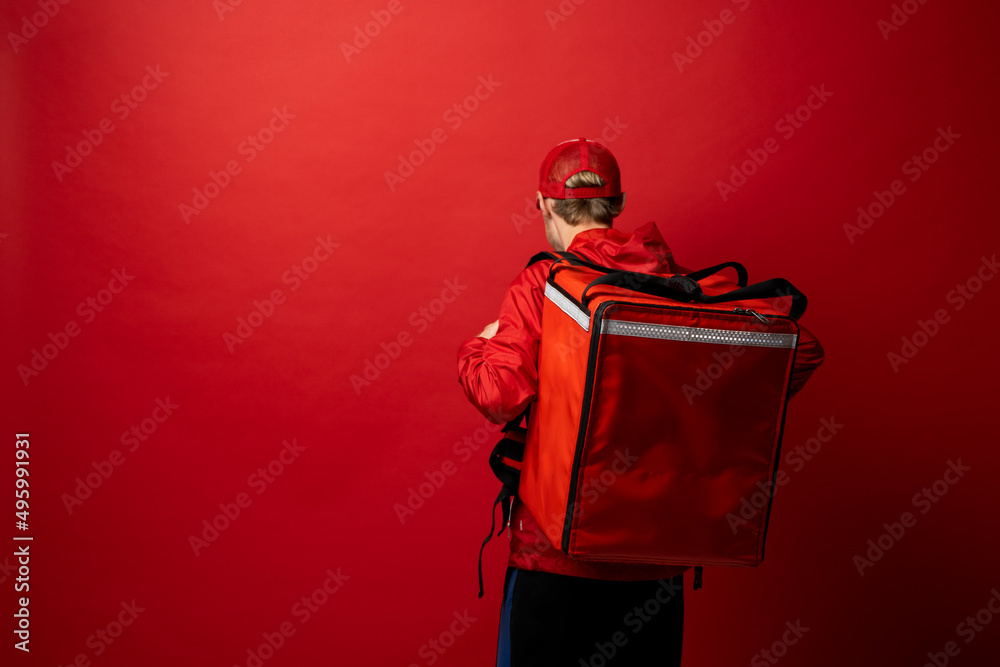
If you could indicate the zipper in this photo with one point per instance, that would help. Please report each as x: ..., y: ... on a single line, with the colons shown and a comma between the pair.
x: 750, y: 311
x: 588, y: 390
x: 738, y: 310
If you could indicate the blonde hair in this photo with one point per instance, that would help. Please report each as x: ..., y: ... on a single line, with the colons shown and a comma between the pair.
x: 600, y: 209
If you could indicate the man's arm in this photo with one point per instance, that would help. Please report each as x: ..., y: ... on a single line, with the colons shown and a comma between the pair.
x: 499, y: 372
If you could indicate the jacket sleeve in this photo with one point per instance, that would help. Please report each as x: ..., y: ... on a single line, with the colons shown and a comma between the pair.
x: 500, y: 375
x: 808, y: 357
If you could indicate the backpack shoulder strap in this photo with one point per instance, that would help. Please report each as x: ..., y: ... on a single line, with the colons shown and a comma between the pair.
x: 505, y: 461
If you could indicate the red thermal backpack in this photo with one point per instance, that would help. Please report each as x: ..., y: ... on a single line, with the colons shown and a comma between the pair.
x: 660, y: 408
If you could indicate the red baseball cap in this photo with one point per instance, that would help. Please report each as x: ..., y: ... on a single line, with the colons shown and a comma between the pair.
x: 573, y: 156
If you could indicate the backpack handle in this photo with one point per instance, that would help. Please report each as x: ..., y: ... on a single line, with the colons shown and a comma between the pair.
x: 768, y: 289
x: 742, y: 277
x: 686, y: 290
x: 678, y: 287
x: 741, y: 272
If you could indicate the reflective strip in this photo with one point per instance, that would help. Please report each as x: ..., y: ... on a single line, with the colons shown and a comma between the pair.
x: 567, y: 306
x: 698, y: 334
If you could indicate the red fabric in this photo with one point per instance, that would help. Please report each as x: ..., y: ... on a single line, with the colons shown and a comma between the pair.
x: 572, y: 157
x: 499, y: 375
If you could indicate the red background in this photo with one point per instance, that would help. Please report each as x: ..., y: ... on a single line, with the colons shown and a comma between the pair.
x: 455, y: 219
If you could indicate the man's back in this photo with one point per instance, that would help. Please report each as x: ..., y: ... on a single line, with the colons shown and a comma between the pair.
x: 499, y: 376
x: 557, y: 610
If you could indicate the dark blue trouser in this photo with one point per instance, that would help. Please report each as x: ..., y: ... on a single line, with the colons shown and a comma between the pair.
x: 554, y: 620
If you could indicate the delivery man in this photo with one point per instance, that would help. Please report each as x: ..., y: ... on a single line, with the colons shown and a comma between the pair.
x: 558, y: 610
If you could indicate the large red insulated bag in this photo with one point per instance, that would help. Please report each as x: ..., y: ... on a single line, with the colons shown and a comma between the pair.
x: 659, y: 413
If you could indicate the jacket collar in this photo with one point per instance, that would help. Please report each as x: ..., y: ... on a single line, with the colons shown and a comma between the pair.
x: 642, y: 250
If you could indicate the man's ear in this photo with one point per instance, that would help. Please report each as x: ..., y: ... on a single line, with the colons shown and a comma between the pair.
x: 542, y: 205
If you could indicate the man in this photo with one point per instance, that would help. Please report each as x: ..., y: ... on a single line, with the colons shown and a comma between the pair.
x: 558, y: 610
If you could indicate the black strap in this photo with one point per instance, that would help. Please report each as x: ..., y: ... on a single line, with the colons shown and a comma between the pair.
x: 768, y: 289
x: 697, y: 577
x: 677, y: 287
x: 502, y: 497
x: 742, y: 277
x: 510, y: 447
x: 540, y: 257
x: 741, y: 272
x: 571, y: 258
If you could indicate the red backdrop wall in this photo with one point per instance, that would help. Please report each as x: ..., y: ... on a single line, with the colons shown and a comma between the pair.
x: 217, y: 217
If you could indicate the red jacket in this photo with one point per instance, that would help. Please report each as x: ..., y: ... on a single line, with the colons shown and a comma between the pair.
x: 500, y: 377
